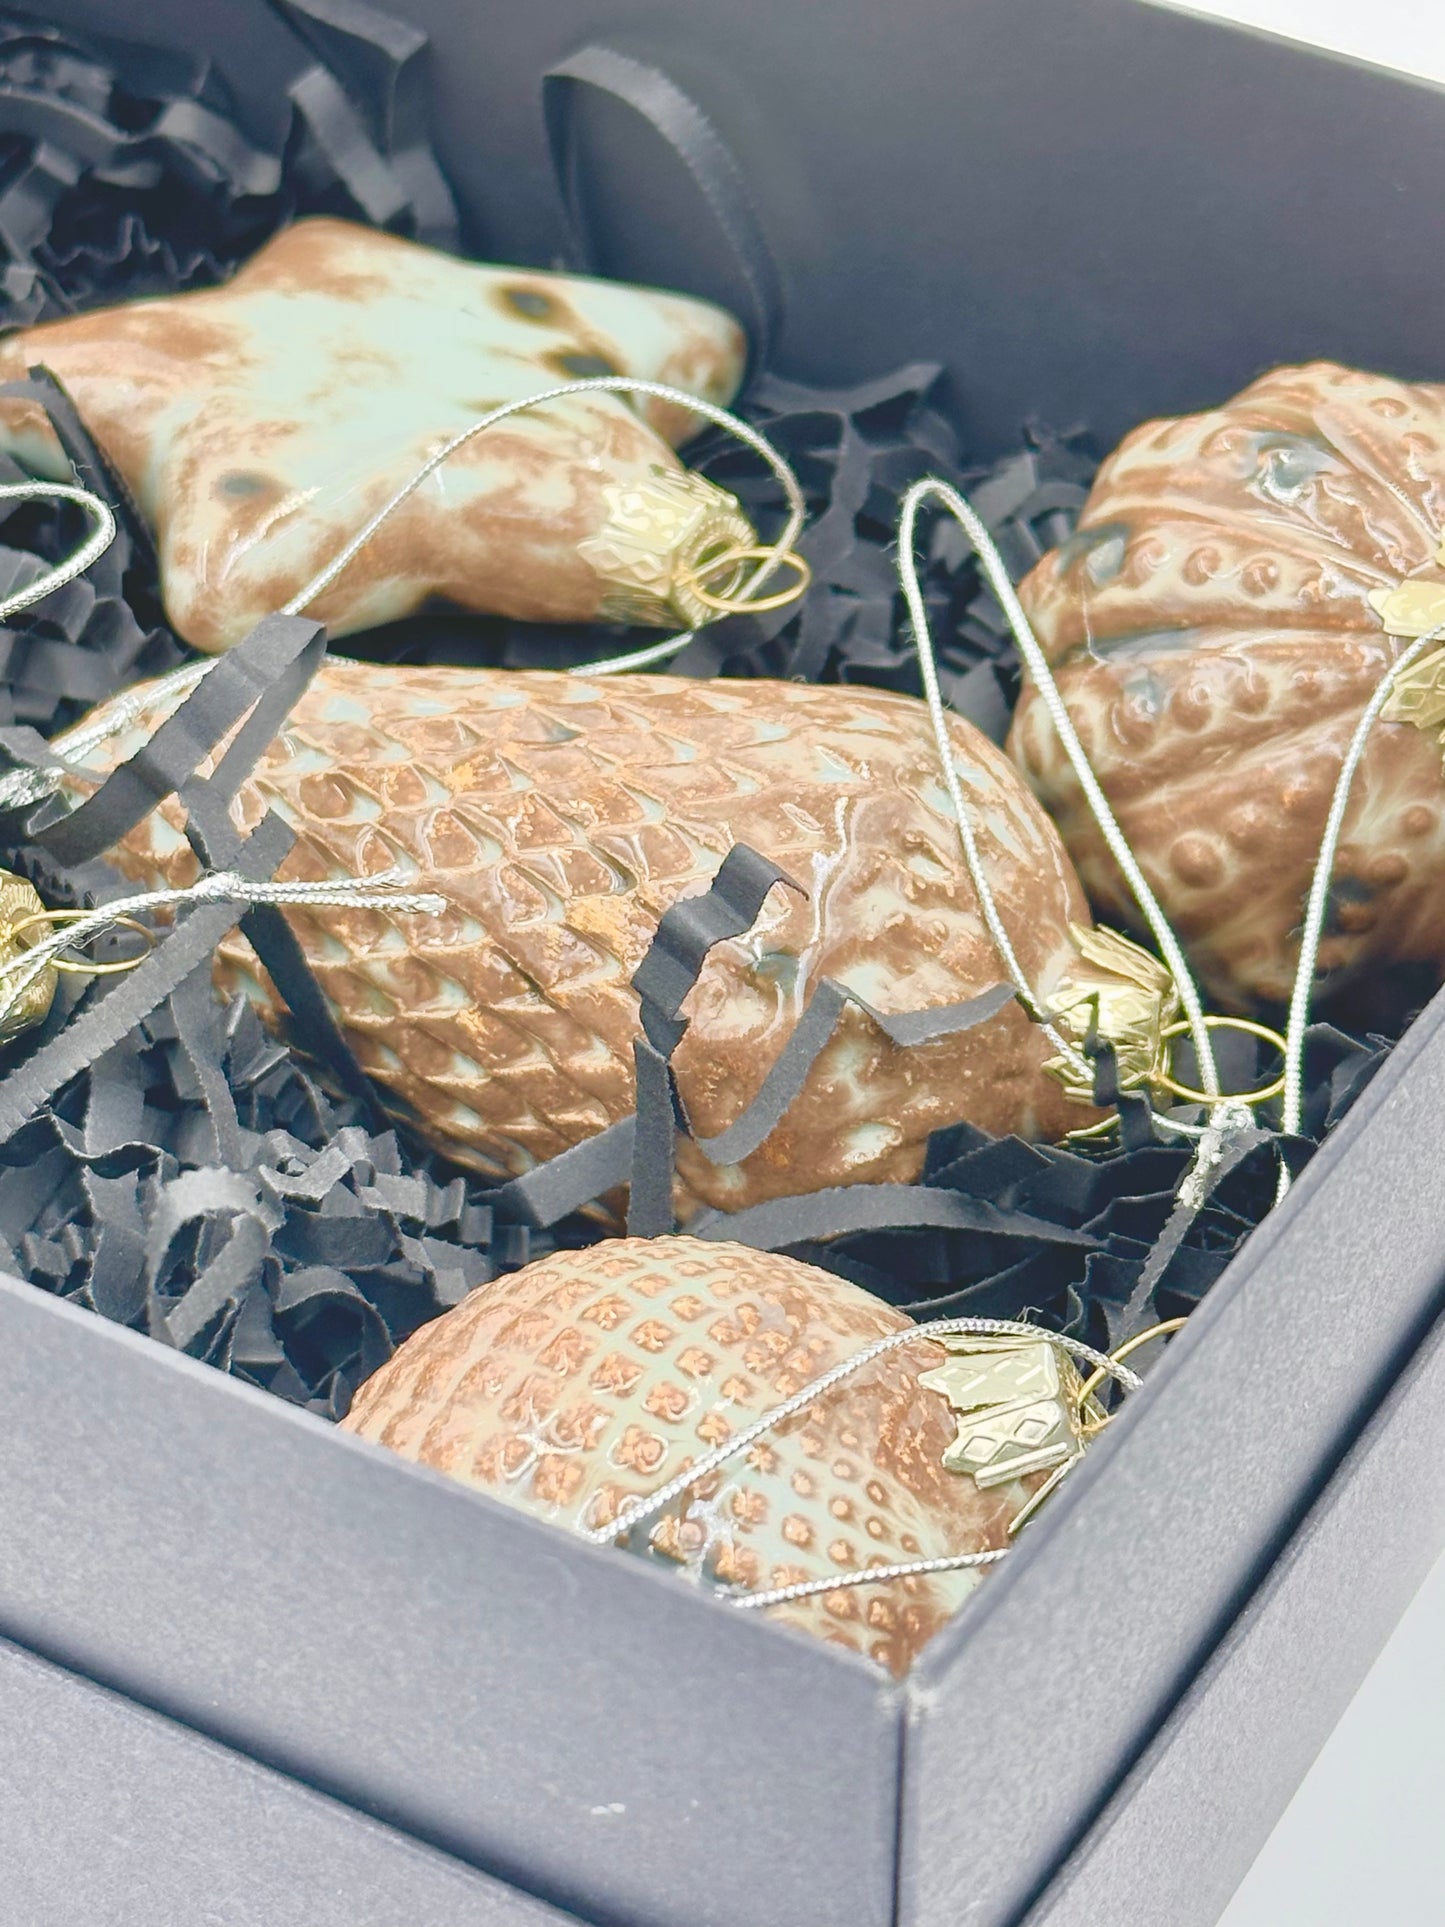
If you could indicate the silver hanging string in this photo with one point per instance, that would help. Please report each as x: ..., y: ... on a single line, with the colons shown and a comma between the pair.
x: 593, y: 384
x: 655, y: 1502
x: 102, y: 534
x: 967, y: 830
x: 77, y: 743
x: 1318, y: 903
x: 1037, y: 663
x: 387, y: 890
x: 643, y: 658
x: 866, y: 1576
x: 22, y: 787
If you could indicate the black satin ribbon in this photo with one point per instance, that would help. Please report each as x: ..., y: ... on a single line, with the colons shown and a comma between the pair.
x: 697, y: 144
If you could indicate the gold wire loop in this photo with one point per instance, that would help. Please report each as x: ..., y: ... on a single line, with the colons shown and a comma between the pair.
x: 58, y: 919
x: 1162, y: 1080
x: 1086, y: 1132
x: 730, y: 561
x: 1098, y: 1418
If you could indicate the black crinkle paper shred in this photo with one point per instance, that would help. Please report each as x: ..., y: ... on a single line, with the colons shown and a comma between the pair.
x: 297, y: 1261
x: 128, y: 174
x: 124, y: 173
x: 195, y: 1180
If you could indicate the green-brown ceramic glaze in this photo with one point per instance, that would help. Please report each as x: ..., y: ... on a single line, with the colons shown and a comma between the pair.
x: 591, y: 1378
x: 560, y: 816
x: 260, y: 424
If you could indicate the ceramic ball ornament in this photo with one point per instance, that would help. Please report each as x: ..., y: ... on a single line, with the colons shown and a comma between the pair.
x: 588, y: 1380
x: 562, y: 815
x: 1239, y: 584
x: 260, y: 424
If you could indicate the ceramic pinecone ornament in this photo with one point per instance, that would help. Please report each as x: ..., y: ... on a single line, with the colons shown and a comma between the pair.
x: 260, y: 424
x: 1238, y: 585
x: 561, y: 816
x: 588, y: 1380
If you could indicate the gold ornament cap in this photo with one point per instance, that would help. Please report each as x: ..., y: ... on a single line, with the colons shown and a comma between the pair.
x: 1019, y: 1405
x: 20, y: 904
x: 660, y: 535
x: 1418, y: 696
x: 1127, y: 997
x: 1413, y: 607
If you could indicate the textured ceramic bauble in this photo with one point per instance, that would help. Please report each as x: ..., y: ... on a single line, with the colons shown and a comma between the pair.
x: 592, y: 1377
x: 1239, y: 583
x: 259, y: 425
x: 562, y: 815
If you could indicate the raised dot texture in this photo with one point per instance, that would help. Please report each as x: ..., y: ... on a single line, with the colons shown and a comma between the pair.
x: 1217, y: 694
x: 789, y: 1511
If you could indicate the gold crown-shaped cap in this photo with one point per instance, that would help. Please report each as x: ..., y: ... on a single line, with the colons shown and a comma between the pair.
x: 659, y: 535
x: 19, y: 903
x: 1017, y: 1405
x: 1122, y: 994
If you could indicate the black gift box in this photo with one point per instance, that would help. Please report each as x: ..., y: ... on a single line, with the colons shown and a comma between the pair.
x: 278, y: 1674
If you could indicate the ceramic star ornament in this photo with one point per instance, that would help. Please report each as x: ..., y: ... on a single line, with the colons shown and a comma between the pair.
x: 260, y: 425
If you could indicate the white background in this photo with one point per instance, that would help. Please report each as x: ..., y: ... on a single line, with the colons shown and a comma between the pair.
x: 1363, y: 1843
x: 1409, y: 34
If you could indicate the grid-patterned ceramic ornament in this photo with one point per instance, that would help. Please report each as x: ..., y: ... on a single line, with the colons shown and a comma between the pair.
x: 591, y: 1378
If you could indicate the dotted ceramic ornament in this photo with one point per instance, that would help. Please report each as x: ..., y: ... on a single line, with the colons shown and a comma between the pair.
x: 1238, y: 585
x: 589, y: 1379
x: 258, y: 425
x: 562, y: 816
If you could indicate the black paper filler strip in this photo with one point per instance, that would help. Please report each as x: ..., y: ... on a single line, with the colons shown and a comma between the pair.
x: 215, y: 838
x: 106, y: 1021
x: 182, y: 742
x: 563, y: 1184
x: 640, y: 1150
x: 654, y: 1145
x: 1137, y: 1312
x: 92, y: 470
x: 689, y: 929
x: 780, y: 1222
x: 193, y: 1006
x: 809, y: 1038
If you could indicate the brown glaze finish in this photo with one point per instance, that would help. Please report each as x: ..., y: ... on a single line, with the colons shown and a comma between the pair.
x: 1211, y: 629
x: 592, y: 1377
x: 260, y: 424
x: 561, y: 816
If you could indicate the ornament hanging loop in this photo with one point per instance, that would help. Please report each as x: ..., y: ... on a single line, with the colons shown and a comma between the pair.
x: 102, y: 534
x: 68, y: 966
x: 1094, y: 1418
x: 1159, y: 1079
x: 738, y: 604
x: 1164, y: 1080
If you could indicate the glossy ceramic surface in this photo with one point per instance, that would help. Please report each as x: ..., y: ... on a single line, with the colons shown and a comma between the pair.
x: 561, y: 815
x: 259, y: 425
x: 1217, y: 625
x: 592, y: 1377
